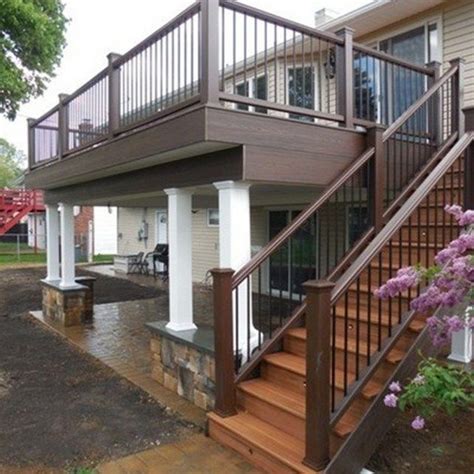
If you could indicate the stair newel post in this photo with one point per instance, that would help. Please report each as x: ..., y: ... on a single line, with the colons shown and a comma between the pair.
x: 225, y: 404
x: 114, y: 93
x: 318, y: 353
x: 436, y: 115
x: 469, y: 162
x: 345, y: 76
x: 209, y: 51
x: 457, y: 97
x: 63, y: 125
x: 31, y: 143
x: 376, y: 187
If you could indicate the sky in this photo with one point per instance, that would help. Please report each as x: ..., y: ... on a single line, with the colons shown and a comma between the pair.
x: 98, y: 27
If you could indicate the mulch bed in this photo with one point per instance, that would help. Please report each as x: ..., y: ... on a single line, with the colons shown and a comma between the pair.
x: 59, y: 408
x: 445, y: 446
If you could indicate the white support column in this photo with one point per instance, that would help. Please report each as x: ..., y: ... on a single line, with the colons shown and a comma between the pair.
x: 235, y: 251
x: 180, y: 259
x: 52, y: 236
x: 68, y: 273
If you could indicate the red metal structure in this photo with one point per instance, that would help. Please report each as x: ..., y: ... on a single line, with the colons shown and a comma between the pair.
x: 16, y: 204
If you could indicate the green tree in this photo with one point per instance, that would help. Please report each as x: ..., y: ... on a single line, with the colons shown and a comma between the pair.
x: 12, y: 163
x: 32, y: 39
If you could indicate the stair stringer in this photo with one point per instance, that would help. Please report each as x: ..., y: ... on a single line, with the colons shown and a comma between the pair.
x: 357, y: 449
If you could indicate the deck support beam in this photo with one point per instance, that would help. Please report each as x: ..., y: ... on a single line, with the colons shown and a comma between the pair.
x: 68, y: 271
x: 180, y: 259
x: 52, y: 243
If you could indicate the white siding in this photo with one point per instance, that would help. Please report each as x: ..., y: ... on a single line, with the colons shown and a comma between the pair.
x: 105, y: 230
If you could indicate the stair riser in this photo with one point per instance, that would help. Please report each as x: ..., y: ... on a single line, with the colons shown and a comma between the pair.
x: 412, y: 256
x: 281, y: 419
x: 283, y: 377
x: 253, y: 454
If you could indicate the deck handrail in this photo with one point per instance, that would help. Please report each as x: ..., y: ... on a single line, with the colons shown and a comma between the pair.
x: 114, y: 101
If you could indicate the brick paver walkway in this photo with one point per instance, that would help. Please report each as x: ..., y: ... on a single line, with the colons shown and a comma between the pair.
x: 118, y: 338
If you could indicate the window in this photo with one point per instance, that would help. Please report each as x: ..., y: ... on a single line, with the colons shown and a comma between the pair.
x: 397, y: 88
x: 300, y: 90
x: 213, y: 217
x: 254, y: 90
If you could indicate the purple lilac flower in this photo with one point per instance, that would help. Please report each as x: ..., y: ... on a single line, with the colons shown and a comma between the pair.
x: 406, y: 277
x: 390, y: 400
x: 467, y: 218
x: 454, y: 210
x: 395, y: 387
x: 418, y: 423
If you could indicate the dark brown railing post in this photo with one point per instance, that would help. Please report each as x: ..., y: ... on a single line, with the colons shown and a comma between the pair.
x: 345, y: 77
x: 31, y: 142
x: 376, y: 187
x: 223, y: 342
x: 318, y: 350
x: 63, y: 125
x: 457, y: 97
x: 114, y: 94
x: 209, y: 51
x: 436, y: 114
x: 469, y: 162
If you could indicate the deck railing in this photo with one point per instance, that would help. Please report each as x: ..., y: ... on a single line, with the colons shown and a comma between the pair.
x: 223, y: 52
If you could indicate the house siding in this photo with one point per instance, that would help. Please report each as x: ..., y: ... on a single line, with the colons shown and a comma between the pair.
x: 457, y: 37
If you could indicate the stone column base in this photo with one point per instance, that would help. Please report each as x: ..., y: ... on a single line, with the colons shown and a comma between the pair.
x: 184, y: 363
x: 69, y: 306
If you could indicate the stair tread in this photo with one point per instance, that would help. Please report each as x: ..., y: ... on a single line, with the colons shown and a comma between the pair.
x: 297, y: 364
x: 281, y: 397
x: 290, y: 401
x: 283, y: 447
x: 394, y: 356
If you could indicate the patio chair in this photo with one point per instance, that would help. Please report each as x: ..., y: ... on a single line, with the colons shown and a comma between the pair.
x: 139, y: 264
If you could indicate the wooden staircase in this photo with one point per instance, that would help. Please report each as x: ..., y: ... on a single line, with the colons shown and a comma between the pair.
x: 309, y: 398
x: 269, y: 427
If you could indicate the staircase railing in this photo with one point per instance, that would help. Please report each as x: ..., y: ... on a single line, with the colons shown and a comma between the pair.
x: 256, y: 305
x: 417, y: 231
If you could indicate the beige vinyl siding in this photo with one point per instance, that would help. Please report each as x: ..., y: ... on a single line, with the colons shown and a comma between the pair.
x: 129, y: 221
x: 205, y: 246
x: 205, y: 238
x: 457, y: 36
x: 458, y: 41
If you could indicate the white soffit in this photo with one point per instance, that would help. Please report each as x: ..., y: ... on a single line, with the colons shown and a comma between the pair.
x: 380, y: 14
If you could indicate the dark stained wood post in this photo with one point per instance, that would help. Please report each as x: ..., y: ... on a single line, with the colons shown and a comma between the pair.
x: 457, y: 98
x: 223, y: 342
x: 376, y: 186
x: 63, y: 125
x: 469, y: 162
x: 31, y: 142
x: 318, y: 349
x: 436, y: 114
x: 345, y: 77
x: 209, y: 51
x: 114, y: 93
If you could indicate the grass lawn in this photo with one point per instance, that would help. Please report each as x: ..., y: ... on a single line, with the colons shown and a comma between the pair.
x: 8, y: 256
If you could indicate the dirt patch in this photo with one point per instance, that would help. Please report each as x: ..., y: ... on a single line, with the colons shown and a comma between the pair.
x: 20, y: 290
x: 63, y: 409
x: 4, y: 384
x: 444, y: 447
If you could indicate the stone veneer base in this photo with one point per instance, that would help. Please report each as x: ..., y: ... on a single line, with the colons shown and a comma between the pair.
x: 71, y: 306
x: 184, y: 362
